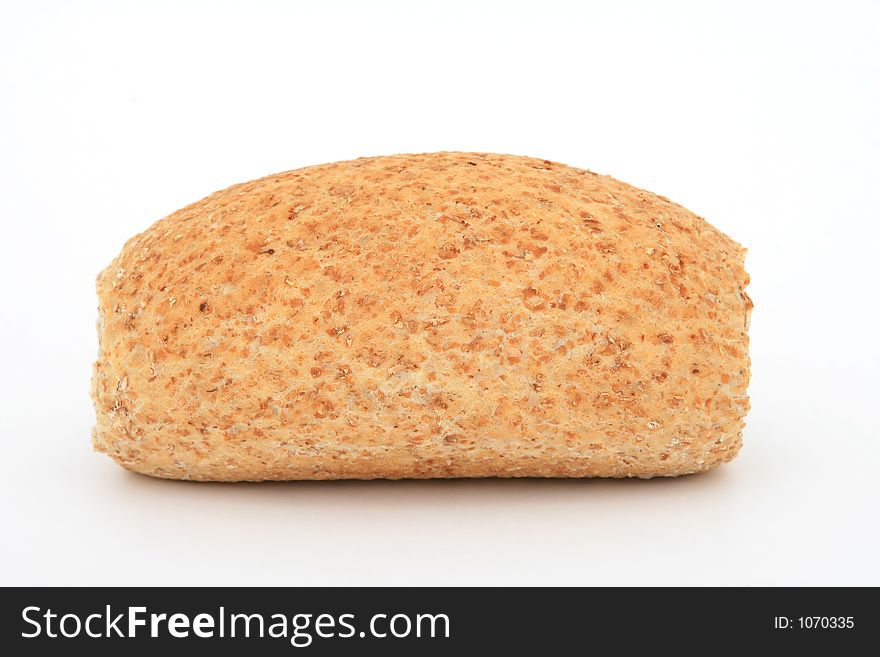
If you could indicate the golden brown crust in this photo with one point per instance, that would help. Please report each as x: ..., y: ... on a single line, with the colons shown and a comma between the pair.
x: 436, y: 315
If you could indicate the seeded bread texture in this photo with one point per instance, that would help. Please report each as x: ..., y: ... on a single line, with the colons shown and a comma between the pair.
x: 435, y: 315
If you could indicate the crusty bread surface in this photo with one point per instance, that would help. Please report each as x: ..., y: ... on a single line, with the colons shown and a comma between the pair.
x: 434, y: 315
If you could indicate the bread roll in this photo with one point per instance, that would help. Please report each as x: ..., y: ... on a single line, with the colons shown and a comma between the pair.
x: 436, y: 315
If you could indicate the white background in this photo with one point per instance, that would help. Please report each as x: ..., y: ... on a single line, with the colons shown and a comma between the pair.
x: 761, y: 116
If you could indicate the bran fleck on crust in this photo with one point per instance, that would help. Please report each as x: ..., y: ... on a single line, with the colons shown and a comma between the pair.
x: 434, y: 315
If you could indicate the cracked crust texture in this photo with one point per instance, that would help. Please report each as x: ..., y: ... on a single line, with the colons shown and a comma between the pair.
x: 434, y: 315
